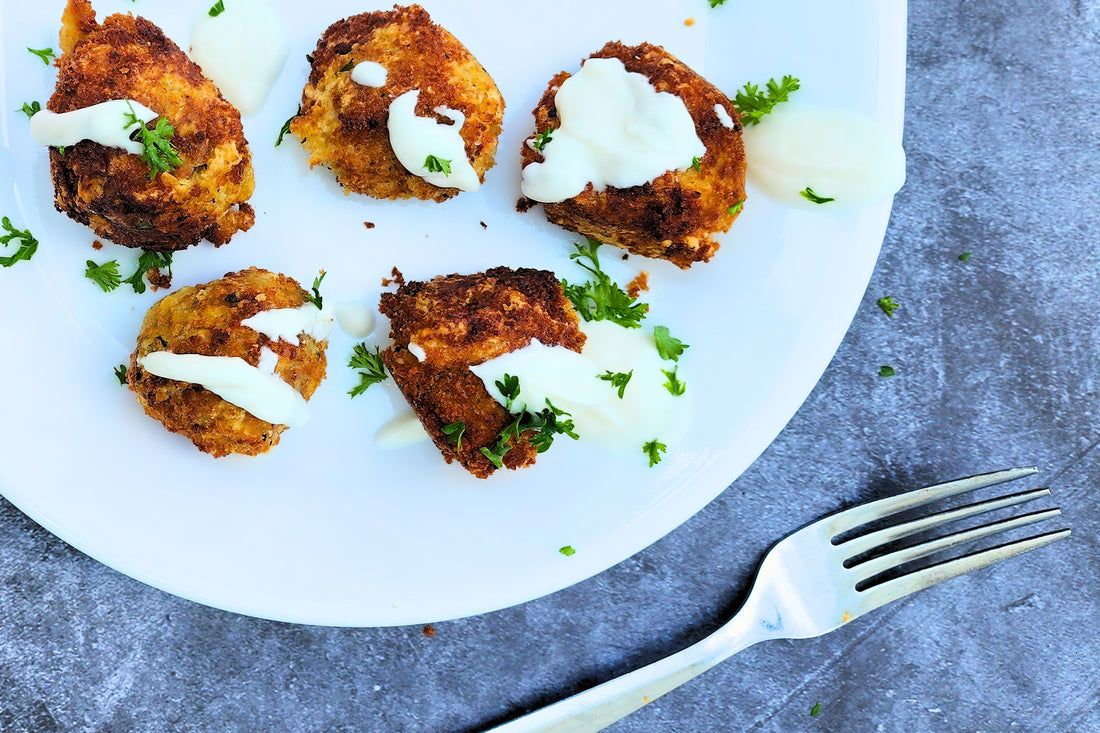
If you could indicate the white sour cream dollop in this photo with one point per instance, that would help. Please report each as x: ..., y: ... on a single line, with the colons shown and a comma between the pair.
x: 369, y: 74
x: 616, y: 130
x: 242, y: 50
x: 414, y: 138
x: 104, y: 123
x: 838, y: 154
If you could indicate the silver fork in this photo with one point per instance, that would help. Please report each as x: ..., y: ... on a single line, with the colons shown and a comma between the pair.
x: 808, y: 585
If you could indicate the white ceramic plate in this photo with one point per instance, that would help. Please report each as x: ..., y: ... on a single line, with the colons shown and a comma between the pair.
x: 327, y: 529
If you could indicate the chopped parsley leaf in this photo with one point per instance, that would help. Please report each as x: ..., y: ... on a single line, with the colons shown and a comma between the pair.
x: 453, y: 433
x: 120, y: 374
x: 736, y: 208
x: 654, y: 449
x: 674, y: 386
x: 601, y: 299
x: 541, y: 139
x: 815, y: 710
x: 696, y: 162
x: 285, y: 129
x: 716, y: 3
x: 43, y: 53
x: 808, y: 194
x: 435, y: 164
x: 148, y: 261
x: 668, y: 346
x: 316, y: 298
x: 964, y: 257
x: 888, y: 305
x: 30, y: 110
x: 28, y: 245
x: 105, y: 276
x: 886, y: 371
x: 617, y: 379
x: 568, y: 551
x: 752, y: 104
x: 217, y: 9
x: 348, y: 66
x: 370, y: 366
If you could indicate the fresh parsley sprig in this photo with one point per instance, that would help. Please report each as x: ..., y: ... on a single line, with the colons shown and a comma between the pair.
x: 752, y: 104
x: 148, y: 261
x: 669, y: 347
x: 674, y: 386
x: 619, y: 380
x: 43, y: 53
x: 105, y: 276
x: 435, y: 164
x: 654, y: 449
x: 370, y: 366
x: 546, y: 424
x: 157, y: 149
x: 28, y: 245
x: 601, y: 299
x: 31, y: 109
x: 120, y: 374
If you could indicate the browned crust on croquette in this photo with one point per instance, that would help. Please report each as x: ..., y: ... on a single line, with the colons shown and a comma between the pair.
x: 464, y: 320
x: 206, y: 319
x: 343, y: 124
x: 675, y: 216
x: 109, y: 189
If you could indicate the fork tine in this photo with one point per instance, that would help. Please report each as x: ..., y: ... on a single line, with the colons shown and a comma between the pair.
x: 877, y: 565
x: 891, y: 590
x: 871, y: 540
x: 864, y: 513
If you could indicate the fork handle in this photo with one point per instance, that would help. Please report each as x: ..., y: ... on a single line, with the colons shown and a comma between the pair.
x: 600, y: 706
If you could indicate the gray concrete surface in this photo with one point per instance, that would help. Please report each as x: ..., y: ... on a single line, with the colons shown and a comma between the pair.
x: 997, y: 363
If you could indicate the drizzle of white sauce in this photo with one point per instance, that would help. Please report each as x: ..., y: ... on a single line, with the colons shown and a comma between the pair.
x: 242, y: 50
x: 723, y: 116
x: 103, y: 123
x: 838, y: 154
x: 616, y: 130
x: 268, y: 362
x: 414, y: 138
x: 356, y: 320
x: 418, y: 351
x: 369, y: 74
x: 571, y: 382
x: 288, y: 323
x: 260, y: 393
x: 402, y: 430
x: 554, y: 373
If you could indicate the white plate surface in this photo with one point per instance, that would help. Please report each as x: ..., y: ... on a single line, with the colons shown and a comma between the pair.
x: 326, y: 528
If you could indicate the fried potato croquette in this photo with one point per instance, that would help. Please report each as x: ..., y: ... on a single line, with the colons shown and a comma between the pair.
x: 206, y: 320
x: 343, y: 124
x: 110, y: 190
x: 674, y: 216
x: 464, y: 320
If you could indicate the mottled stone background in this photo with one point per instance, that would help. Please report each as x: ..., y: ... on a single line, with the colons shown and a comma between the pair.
x: 997, y: 364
